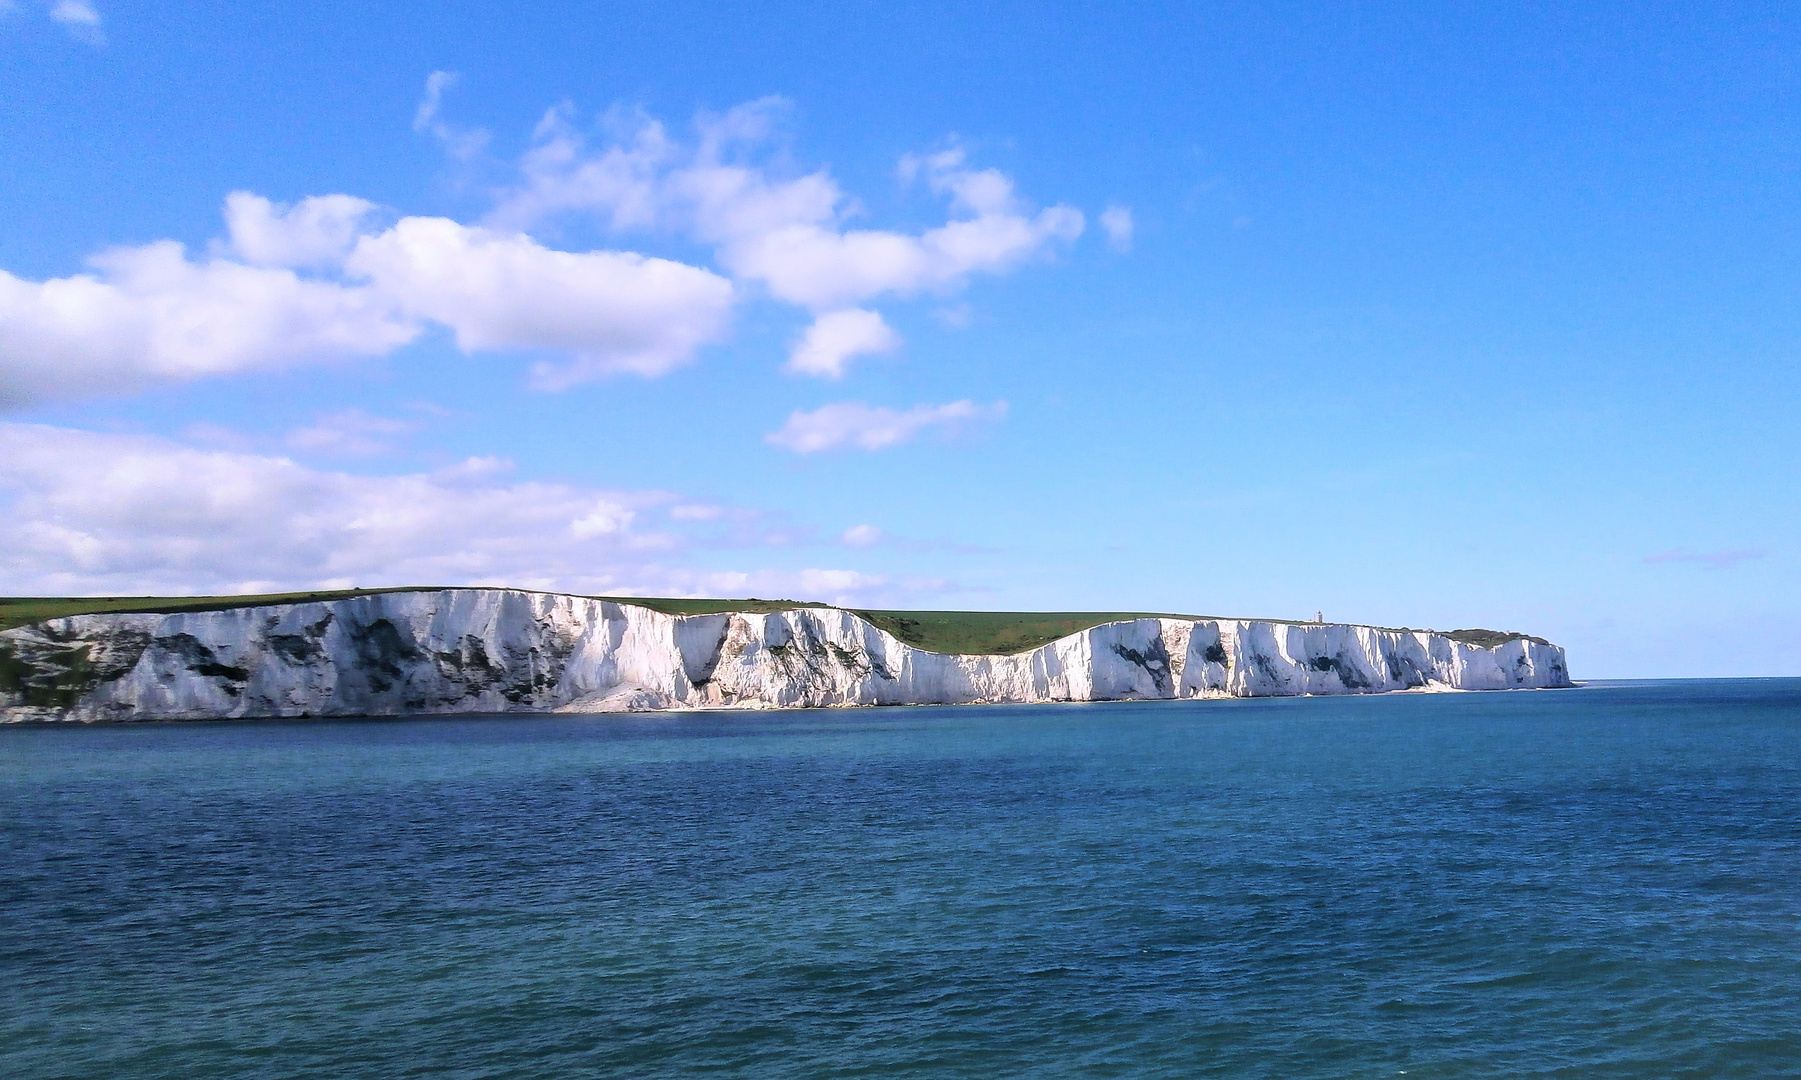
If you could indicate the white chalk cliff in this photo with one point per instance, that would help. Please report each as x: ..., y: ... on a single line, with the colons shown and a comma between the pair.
x: 502, y: 650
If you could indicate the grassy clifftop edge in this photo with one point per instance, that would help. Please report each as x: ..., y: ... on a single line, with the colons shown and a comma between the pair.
x: 969, y: 632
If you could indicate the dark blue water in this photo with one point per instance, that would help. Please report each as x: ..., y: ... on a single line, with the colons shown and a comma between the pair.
x: 1594, y: 883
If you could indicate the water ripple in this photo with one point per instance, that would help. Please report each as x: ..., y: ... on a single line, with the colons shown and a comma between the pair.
x: 1592, y: 884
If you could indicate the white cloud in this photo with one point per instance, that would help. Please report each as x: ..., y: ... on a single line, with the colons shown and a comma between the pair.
x: 109, y: 514
x: 785, y: 233
x: 614, y: 311
x: 835, y: 337
x: 151, y: 314
x: 321, y: 280
x: 80, y: 19
x: 850, y: 423
x: 863, y: 536
x: 1116, y: 222
x: 315, y: 233
x: 818, y: 265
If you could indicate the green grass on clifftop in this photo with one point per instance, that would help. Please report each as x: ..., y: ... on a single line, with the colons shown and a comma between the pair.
x: 20, y: 610
x: 990, y: 632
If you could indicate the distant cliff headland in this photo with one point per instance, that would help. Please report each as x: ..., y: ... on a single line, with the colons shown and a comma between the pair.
x: 393, y: 652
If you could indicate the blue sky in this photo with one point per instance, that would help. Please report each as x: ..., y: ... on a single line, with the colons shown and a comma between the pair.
x: 1417, y: 315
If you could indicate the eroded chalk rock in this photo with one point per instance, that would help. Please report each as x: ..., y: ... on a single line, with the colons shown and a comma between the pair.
x: 502, y: 650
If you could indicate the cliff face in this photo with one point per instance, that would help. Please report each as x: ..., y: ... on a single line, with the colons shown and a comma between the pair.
x: 497, y: 650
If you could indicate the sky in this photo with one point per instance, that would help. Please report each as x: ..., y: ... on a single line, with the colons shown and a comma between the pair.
x: 1428, y: 315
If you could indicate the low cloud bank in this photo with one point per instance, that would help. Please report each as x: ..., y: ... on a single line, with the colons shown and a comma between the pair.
x: 86, y: 513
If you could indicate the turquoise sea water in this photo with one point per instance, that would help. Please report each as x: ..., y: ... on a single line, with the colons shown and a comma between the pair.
x: 1603, y: 882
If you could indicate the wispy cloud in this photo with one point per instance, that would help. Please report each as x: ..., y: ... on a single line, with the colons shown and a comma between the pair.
x: 1116, y: 222
x: 1713, y: 560
x: 460, y: 143
x: 80, y: 19
x: 351, y: 432
x: 784, y: 232
x: 865, y: 427
x: 862, y: 536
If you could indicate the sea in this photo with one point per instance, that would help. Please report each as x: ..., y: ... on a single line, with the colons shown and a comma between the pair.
x: 1600, y: 882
